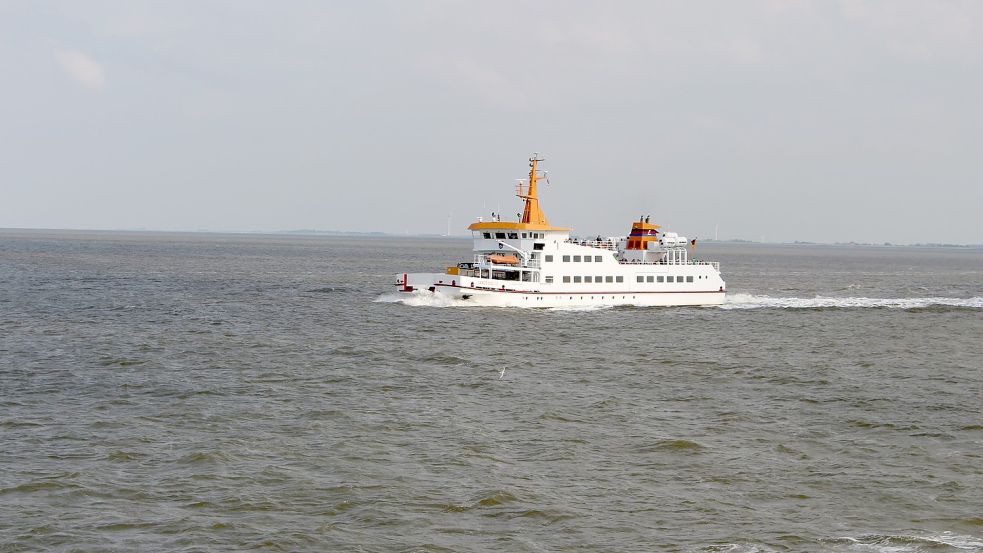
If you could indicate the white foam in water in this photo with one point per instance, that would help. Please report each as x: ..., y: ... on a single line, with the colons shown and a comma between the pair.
x: 418, y: 298
x: 738, y: 548
x: 423, y: 298
x: 580, y: 307
x: 968, y: 543
x: 913, y: 544
x: 750, y: 301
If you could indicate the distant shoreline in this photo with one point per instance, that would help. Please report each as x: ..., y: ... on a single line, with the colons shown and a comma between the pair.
x: 377, y: 234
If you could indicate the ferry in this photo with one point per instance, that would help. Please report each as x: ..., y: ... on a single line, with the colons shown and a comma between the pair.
x: 531, y: 263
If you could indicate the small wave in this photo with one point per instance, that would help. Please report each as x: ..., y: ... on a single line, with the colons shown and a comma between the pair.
x: 124, y: 526
x: 497, y: 498
x: 490, y: 499
x: 751, y: 301
x: 678, y: 445
x: 557, y: 418
x: 122, y: 362
x: 18, y: 424
x: 32, y: 487
x: 199, y: 457
x: 124, y: 456
x: 448, y: 360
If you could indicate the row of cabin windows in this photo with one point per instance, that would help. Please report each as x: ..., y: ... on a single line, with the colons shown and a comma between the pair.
x: 576, y: 258
x: 661, y: 278
x: 590, y: 279
x: 513, y: 235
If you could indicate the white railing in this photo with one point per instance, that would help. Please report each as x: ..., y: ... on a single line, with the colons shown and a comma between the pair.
x: 600, y: 244
x: 714, y: 264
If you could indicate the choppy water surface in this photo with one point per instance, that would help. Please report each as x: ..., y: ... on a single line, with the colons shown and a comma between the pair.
x: 210, y: 392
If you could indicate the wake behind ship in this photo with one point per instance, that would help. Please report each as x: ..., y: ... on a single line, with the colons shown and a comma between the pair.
x: 530, y: 263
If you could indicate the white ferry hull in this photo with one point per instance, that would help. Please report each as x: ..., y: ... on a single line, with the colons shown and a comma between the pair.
x: 453, y: 291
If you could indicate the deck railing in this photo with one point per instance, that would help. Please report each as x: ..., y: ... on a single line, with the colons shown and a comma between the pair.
x: 600, y: 244
x: 714, y: 264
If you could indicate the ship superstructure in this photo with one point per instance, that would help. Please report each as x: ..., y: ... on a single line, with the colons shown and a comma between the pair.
x: 531, y: 263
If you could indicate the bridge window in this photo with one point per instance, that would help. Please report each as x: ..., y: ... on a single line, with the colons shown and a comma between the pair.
x: 500, y: 235
x: 566, y: 279
x: 513, y: 235
x: 566, y: 259
x: 486, y: 235
x: 523, y: 235
x: 549, y: 259
x: 619, y: 279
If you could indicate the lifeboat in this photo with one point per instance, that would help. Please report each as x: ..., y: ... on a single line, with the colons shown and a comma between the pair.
x: 503, y: 259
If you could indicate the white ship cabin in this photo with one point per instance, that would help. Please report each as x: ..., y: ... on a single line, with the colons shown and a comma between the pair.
x: 512, y: 251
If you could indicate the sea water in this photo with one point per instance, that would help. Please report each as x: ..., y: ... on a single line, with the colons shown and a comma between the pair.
x: 204, y: 392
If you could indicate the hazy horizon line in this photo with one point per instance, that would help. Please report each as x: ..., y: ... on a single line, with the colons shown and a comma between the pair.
x: 317, y: 232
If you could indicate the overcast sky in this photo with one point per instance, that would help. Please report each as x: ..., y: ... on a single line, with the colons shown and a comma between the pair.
x: 822, y: 121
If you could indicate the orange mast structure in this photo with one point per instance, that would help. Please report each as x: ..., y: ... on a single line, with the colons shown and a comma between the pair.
x: 533, y: 217
x: 532, y: 212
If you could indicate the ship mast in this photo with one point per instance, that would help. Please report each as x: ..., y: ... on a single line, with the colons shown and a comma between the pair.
x: 532, y: 213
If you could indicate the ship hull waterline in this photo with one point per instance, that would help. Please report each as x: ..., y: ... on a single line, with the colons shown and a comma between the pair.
x: 464, y: 294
